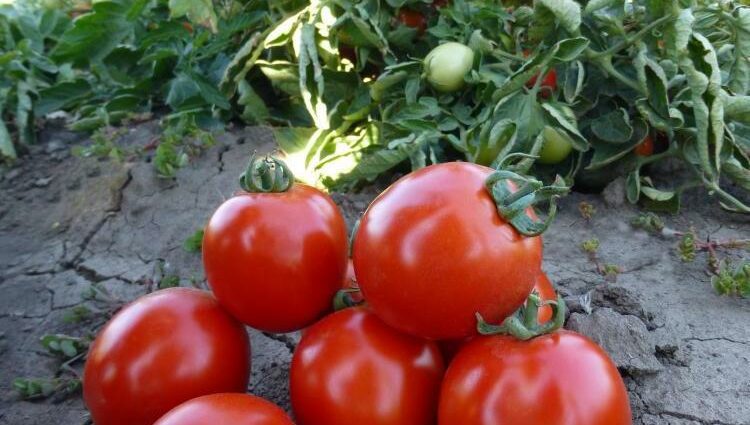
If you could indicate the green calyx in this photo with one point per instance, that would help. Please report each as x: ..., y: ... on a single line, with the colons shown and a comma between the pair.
x: 512, y: 205
x: 266, y: 175
x: 523, y: 324
x: 343, y: 299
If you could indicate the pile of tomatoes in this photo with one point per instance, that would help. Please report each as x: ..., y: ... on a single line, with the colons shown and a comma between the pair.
x: 431, y: 258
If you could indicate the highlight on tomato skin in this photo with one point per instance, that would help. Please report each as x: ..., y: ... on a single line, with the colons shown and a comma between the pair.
x: 161, y: 350
x: 226, y: 409
x: 351, y: 368
x: 561, y: 378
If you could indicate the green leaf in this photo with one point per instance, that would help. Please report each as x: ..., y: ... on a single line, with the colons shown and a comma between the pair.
x: 733, y: 169
x: 62, y: 96
x: 567, y: 121
x: 575, y: 75
x: 739, y: 76
x: 311, y: 82
x: 549, y: 13
x: 94, y: 35
x: 6, y: 144
x: 181, y: 89
x: 633, y: 186
x: 660, y: 200
x: 613, y: 127
x: 607, y: 153
x: 199, y: 11
x: 376, y: 164
x: 254, y: 110
x: 210, y: 93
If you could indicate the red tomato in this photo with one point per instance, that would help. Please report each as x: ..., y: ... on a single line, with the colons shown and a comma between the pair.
x: 547, y: 292
x: 350, y: 368
x: 275, y: 260
x: 229, y: 409
x: 549, y: 82
x: 561, y: 378
x: 413, y: 19
x: 450, y: 347
x: 432, y: 250
x: 350, y: 282
x: 646, y: 147
x: 163, y: 349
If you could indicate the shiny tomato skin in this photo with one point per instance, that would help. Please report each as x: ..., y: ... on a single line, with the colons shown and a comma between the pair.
x: 646, y: 147
x: 432, y: 250
x: 547, y: 292
x: 413, y: 19
x: 350, y: 282
x: 542, y: 286
x: 275, y: 260
x: 226, y: 408
x: 351, y: 368
x: 161, y: 350
x: 561, y: 378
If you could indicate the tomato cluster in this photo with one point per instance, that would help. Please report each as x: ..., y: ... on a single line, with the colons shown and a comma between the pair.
x: 434, y: 261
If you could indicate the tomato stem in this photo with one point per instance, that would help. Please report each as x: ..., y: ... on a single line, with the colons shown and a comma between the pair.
x: 343, y: 299
x: 524, y: 324
x: 512, y: 205
x: 266, y: 175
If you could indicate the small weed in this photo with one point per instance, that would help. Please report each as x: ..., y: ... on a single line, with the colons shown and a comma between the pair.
x: 181, y: 140
x: 41, y: 388
x: 103, y: 145
x: 587, y: 210
x: 590, y: 246
x: 65, y: 346
x: 732, y: 281
x: 194, y: 242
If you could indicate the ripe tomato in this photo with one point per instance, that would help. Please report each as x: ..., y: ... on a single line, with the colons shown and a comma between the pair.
x: 350, y: 368
x: 161, y: 350
x: 549, y: 81
x: 646, y: 147
x: 350, y: 282
x: 546, y: 291
x: 561, y: 378
x: 432, y: 250
x: 413, y: 19
x: 450, y: 347
x: 556, y: 147
x: 275, y: 260
x: 230, y: 409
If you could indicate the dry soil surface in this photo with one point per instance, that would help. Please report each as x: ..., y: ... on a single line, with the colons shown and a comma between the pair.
x: 67, y: 224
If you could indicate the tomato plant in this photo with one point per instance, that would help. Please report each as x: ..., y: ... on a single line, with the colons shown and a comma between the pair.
x: 646, y: 147
x: 413, y: 19
x: 351, y: 368
x: 439, y: 228
x: 161, y: 350
x: 275, y: 256
x: 556, y: 148
x: 447, y: 65
x: 560, y: 378
x: 227, y: 409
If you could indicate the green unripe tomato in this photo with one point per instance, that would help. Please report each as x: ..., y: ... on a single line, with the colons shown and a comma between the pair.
x: 447, y: 65
x: 557, y: 146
